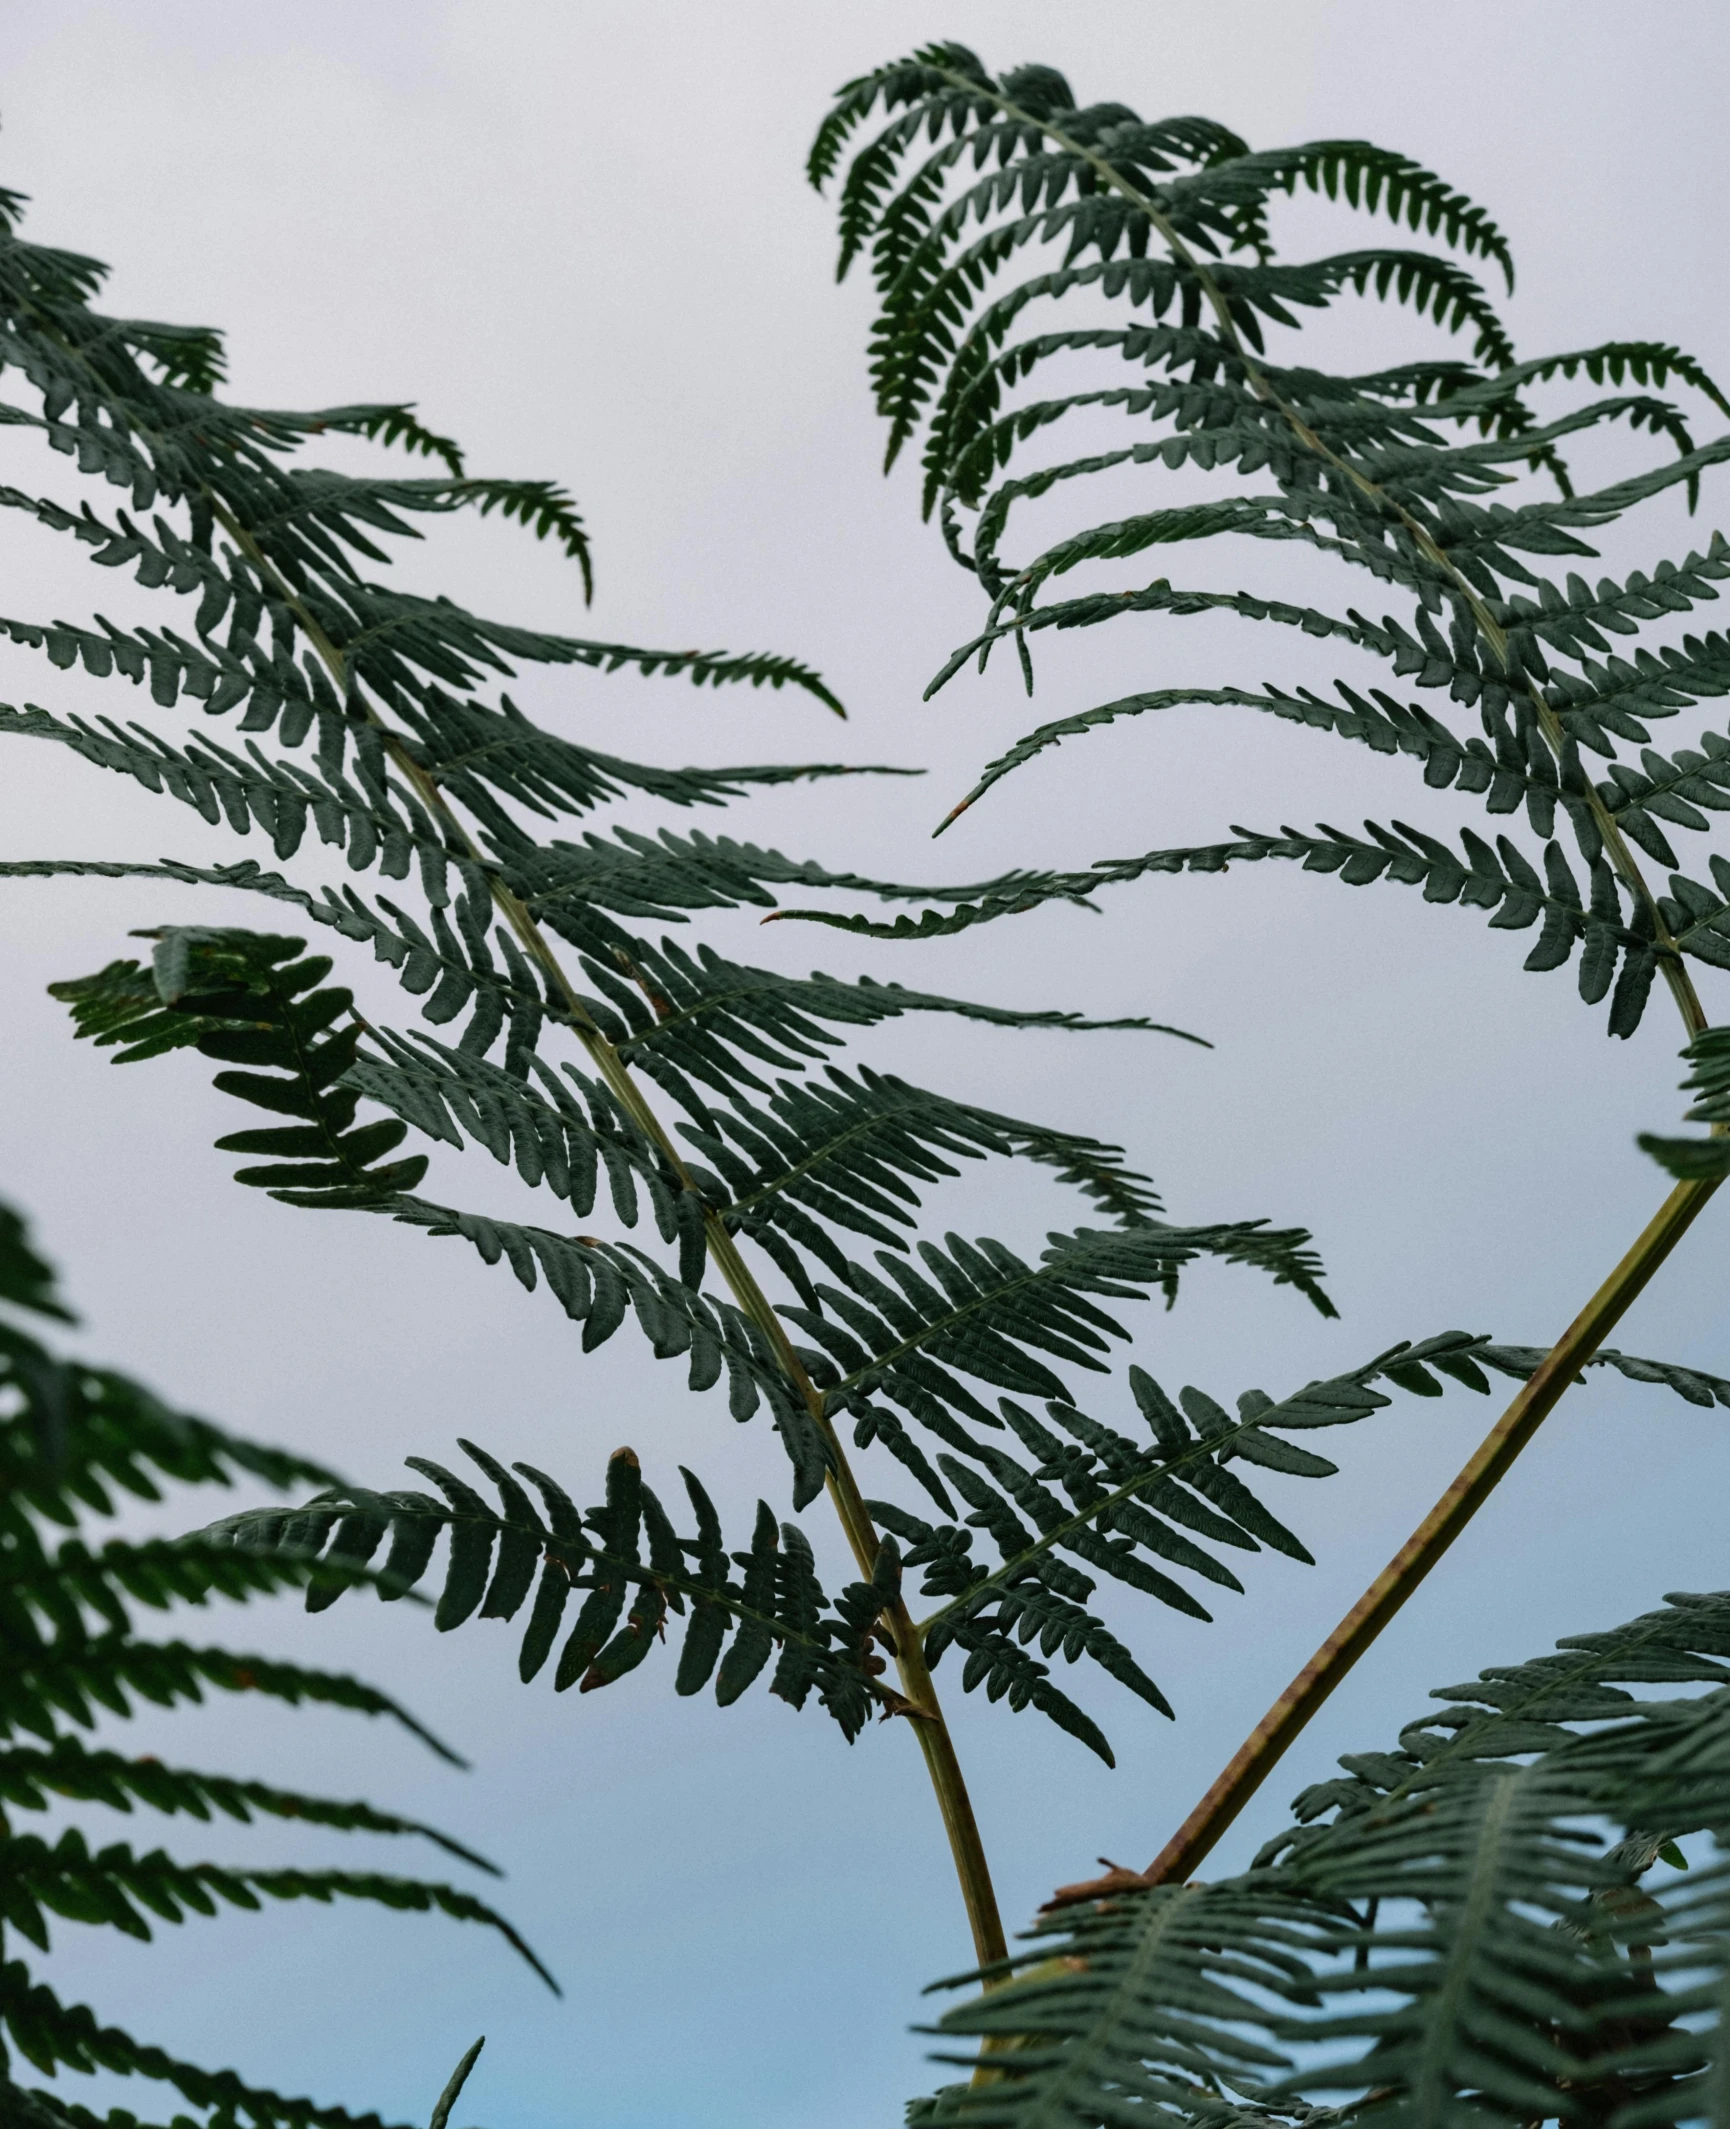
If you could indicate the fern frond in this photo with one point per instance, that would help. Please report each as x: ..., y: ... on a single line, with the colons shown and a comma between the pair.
x: 1459, y: 1937
x: 1512, y: 1710
x: 1378, y: 722
x: 247, y: 999
x: 1093, y: 1495
x: 1501, y: 880
x: 117, y: 1888
x: 80, y: 1434
x: 667, y: 1010
x: 188, y: 358
x: 674, y: 1012
x: 72, y: 1437
x: 30, y: 1775
x: 53, y: 2036
x: 376, y: 827
x: 544, y: 508
x: 911, y: 1333
x: 1116, y: 1506
x: 1700, y: 1159
x: 1362, y: 174
x: 984, y: 200
x: 477, y: 752
x: 78, y: 1676
x: 1645, y: 361
x: 1089, y: 1502
x: 551, y: 1134
x: 985, y: 1313
x: 855, y: 1153
x: 624, y: 1552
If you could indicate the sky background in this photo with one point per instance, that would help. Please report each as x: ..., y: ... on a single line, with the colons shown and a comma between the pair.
x: 578, y: 236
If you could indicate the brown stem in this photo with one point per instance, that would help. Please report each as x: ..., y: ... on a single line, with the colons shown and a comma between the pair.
x: 924, y: 1710
x: 1280, y: 1726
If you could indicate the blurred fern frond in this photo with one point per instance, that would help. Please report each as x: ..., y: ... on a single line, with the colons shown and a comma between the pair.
x: 77, y: 1444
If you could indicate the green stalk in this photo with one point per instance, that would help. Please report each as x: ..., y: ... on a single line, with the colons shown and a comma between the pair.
x: 923, y: 1709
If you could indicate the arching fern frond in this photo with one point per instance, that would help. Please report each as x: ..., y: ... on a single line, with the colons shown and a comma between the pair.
x: 985, y: 199
x: 1511, y: 1710
x: 1618, y: 947
x: 680, y: 1016
x: 544, y: 507
x: 817, y: 1155
x: 31, y: 1774
x: 1373, y: 178
x: 1116, y: 1506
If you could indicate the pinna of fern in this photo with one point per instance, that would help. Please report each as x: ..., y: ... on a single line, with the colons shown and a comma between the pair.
x: 77, y: 1442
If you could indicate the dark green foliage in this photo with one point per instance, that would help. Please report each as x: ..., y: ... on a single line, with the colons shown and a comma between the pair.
x: 374, y: 717
x: 1700, y: 1159
x: 635, y: 1571
x: 1448, y: 1920
x: 851, y: 1153
x: 1500, y: 880
x: 1513, y: 1710
x: 825, y: 1154
x: 712, y: 1020
x: 1083, y: 1492
x: 1080, y: 1501
x: 244, y: 998
x: 75, y: 1442
x: 1461, y: 1923
x: 983, y: 200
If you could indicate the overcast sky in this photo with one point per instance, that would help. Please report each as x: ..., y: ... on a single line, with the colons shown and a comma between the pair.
x: 578, y: 235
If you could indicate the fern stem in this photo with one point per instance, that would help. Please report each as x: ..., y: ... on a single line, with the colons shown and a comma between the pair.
x: 924, y: 1711
x: 1676, y: 975
x: 1278, y: 1729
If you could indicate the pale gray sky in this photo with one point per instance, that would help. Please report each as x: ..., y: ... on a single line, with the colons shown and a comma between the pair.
x: 578, y: 236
